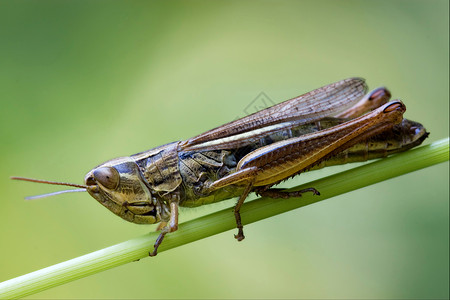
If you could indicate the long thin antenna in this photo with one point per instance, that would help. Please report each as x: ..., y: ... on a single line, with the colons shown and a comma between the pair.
x: 49, y: 182
x: 53, y: 194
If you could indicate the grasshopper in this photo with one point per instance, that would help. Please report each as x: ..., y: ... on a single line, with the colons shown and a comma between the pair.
x: 334, y: 124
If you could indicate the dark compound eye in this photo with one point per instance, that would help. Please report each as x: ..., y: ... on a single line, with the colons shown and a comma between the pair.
x: 107, y: 176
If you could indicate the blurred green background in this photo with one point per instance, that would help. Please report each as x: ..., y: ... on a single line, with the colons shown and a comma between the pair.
x: 85, y: 81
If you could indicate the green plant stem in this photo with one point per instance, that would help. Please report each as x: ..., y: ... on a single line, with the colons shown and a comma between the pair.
x: 223, y: 220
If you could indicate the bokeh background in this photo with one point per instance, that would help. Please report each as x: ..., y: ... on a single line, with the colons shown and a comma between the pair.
x: 85, y: 81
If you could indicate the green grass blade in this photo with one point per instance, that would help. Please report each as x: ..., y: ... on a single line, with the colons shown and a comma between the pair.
x: 223, y: 220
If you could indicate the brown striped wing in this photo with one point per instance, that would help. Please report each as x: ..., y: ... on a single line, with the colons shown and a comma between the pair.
x: 326, y: 101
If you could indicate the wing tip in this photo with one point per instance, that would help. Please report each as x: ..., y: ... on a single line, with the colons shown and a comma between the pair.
x: 359, y: 82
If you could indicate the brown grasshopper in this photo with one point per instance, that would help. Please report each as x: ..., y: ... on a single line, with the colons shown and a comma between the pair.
x: 334, y: 124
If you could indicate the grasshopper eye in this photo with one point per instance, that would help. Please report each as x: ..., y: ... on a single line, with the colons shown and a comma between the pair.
x: 107, y: 176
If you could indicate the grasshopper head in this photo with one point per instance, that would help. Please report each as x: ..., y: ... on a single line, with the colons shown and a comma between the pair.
x: 118, y: 185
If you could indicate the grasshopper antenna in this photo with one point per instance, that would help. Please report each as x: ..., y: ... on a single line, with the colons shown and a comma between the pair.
x: 82, y: 188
